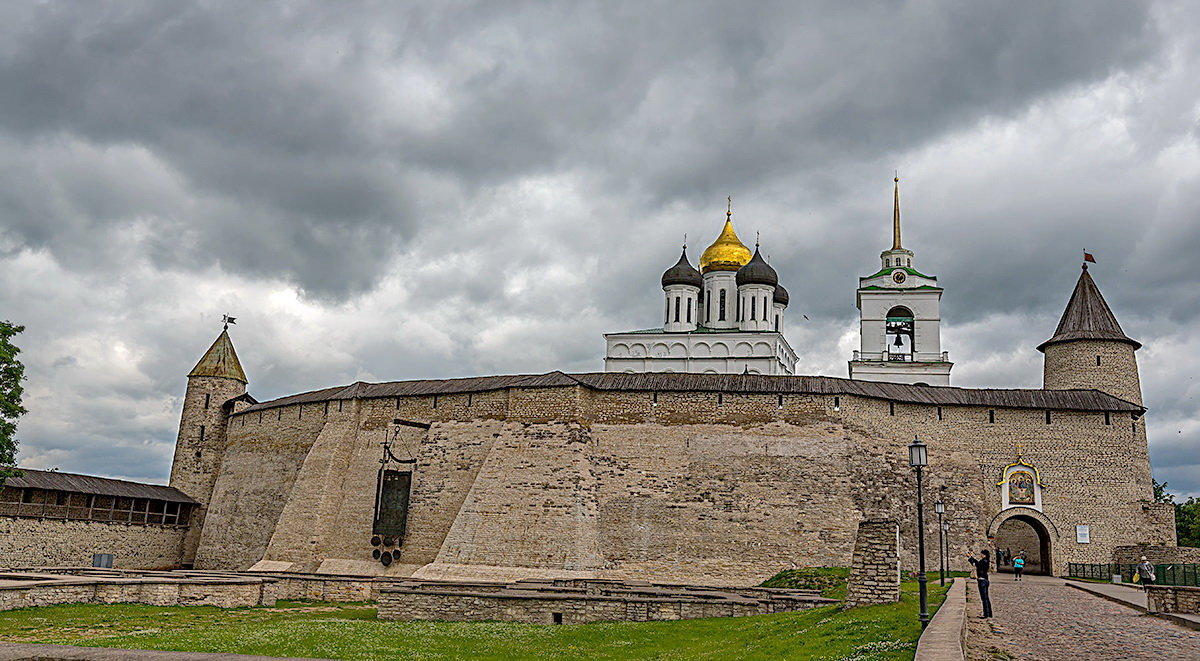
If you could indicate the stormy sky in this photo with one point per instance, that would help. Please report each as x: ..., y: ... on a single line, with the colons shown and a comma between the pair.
x: 413, y: 190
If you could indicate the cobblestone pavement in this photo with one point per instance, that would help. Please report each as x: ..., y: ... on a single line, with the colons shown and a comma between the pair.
x: 1042, y: 619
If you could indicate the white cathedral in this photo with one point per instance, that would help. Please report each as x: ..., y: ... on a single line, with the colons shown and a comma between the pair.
x: 728, y: 318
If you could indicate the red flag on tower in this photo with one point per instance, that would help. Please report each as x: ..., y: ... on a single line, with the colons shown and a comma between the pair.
x: 1087, y: 257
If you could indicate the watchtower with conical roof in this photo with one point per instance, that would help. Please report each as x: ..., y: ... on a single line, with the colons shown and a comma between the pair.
x: 215, y: 387
x: 1089, y: 350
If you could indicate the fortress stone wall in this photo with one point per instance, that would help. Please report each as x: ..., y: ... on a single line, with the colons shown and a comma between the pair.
x: 676, y: 483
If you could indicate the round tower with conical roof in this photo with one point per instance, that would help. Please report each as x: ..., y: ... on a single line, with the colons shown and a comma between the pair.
x: 215, y: 387
x: 1089, y: 350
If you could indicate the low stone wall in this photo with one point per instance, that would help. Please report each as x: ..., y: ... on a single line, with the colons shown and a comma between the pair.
x: 534, y: 609
x: 875, y: 571
x: 578, y: 601
x: 27, y: 591
x: 1173, y: 599
x: 1157, y: 554
x: 69, y: 543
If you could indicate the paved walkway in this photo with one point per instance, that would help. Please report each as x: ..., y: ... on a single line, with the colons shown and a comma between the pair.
x: 1042, y: 619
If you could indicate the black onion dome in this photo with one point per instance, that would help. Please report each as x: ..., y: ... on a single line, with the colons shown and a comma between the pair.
x: 757, y: 272
x: 683, y: 273
x: 781, y: 295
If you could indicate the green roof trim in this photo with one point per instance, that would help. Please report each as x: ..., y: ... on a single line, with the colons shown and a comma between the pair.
x: 910, y: 271
x: 878, y: 288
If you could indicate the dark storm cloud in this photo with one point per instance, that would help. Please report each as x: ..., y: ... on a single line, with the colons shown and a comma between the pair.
x: 387, y: 190
x: 298, y: 136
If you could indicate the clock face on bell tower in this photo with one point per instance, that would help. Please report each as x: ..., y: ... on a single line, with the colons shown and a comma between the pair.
x: 898, y: 277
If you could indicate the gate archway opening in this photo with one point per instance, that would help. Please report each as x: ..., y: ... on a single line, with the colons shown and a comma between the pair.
x: 1019, y: 533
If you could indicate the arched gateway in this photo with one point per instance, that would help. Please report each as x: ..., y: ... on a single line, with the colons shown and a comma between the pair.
x: 1025, y: 529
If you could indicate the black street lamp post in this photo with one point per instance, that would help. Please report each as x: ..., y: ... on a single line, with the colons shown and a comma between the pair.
x: 940, y: 507
x: 918, y: 458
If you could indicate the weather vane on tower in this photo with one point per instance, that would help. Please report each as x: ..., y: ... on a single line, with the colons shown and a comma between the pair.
x: 226, y: 320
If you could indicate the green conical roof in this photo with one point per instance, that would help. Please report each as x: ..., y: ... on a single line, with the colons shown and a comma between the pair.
x: 220, y: 360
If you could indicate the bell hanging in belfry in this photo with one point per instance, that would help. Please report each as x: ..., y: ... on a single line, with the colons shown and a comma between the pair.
x: 899, y: 341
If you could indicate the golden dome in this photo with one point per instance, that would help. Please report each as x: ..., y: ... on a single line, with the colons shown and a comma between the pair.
x: 727, y: 253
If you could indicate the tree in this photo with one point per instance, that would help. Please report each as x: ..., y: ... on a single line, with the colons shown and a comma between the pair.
x: 1161, y: 495
x: 12, y: 372
x: 1187, y: 522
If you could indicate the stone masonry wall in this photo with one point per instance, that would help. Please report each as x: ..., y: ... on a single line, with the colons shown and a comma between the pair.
x: 541, y: 610
x: 60, y: 543
x: 1074, y: 365
x: 200, y: 445
x: 875, y: 570
x: 1156, y: 554
x: 720, y: 488
x: 1173, y: 599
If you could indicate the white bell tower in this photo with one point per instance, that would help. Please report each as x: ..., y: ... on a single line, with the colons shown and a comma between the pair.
x: 900, y: 320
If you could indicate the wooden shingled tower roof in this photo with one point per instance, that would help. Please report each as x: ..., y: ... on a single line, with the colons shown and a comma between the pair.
x: 1087, y: 317
x: 220, y: 360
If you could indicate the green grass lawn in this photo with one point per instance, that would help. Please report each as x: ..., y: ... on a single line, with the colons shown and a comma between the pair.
x: 350, y: 631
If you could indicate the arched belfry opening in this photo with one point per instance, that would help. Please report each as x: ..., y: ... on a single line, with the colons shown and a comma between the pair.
x: 1024, y: 532
x: 901, y: 334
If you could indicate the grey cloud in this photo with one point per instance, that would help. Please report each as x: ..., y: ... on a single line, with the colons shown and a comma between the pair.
x: 482, y: 187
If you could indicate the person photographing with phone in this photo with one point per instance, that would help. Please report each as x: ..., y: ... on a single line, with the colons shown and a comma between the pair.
x: 983, y: 567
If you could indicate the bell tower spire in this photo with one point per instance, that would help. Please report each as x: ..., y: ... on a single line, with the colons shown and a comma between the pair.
x: 896, y: 215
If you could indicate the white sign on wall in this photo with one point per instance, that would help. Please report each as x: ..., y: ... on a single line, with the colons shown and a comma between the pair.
x: 1083, y: 534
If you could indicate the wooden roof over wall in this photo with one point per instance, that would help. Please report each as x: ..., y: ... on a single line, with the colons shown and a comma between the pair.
x: 90, y: 484
x: 1069, y: 400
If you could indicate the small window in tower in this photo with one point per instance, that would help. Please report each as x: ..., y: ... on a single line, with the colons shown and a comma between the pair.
x: 891, y: 408
x: 207, y: 396
x: 397, y: 403
x: 340, y: 406
x: 720, y: 399
x: 992, y: 416
x: 779, y: 401
x: 708, y: 307
x: 667, y: 311
x: 721, y: 307
x: 326, y: 408
x: 887, y: 263
x: 299, y: 411
x: 1047, y: 417
x: 654, y: 398
x: 1107, y: 418
x: 201, y: 433
x: 435, y: 401
x: 837, y: 403
x: 939, y: 413
x: 1097, y: 361
x: 676, y: 309
x: 753, y: 308
x: 776, y: 323
x: 279, y: 413
x: 689, y: 311
x: 470, y: 398
x: 766, y: 306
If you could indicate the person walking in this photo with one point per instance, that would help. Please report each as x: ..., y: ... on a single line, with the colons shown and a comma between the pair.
x: 1145, y: 572
x: 982, y: 568
x: 1018, y: 564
